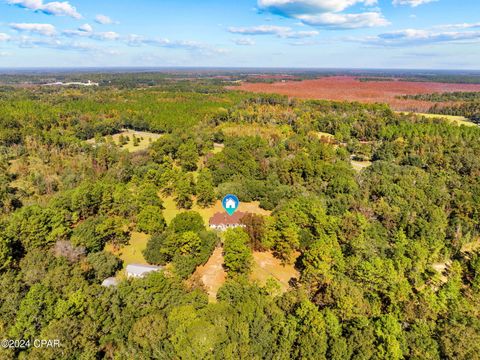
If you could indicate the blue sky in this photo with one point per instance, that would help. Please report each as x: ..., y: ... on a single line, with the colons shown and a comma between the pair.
x: 433, y: 34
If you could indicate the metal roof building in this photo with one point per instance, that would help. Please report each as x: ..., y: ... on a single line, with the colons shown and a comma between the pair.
x: 138, y: 270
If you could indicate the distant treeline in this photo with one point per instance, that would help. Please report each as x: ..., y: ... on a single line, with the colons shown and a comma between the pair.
x: 453, y: 79
x: 468, y: 103
x: 470, y: 110
x: 443, y: 97
x: 369, y: 79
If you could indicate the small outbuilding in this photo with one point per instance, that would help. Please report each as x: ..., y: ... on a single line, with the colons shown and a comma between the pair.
x: 139, y: 271
x: 223, y: 221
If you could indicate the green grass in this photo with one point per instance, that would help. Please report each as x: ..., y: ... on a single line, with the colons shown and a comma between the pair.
x: 217, y: 148
x: 266, y: 132
x: 145, y: 139
x: 459, y: 120
x: 324, y: 135
x: 132, y: 253
x: 266, y: 266
x: 360, y: 165
x: 171, y: 210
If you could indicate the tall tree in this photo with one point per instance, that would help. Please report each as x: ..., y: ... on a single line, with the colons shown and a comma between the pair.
x: 205, y: 189
x: 237, y: 254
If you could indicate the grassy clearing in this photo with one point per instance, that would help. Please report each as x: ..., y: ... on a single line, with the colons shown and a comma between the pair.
x: 144, y: 139
x: 360, y: 165
x: 471, y: 247
x: 267, y: 132
x: 266, y: 266
x: 132, y: 253
x: 459, y: 120
x: 171, y: 209
x: 324, y: 136
x: 218, y: 148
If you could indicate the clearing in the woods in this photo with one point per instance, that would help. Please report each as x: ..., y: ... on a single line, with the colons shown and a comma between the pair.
x: 131, y: 140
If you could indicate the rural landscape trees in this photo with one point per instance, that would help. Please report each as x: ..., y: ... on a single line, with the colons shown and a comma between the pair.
x: 378, y: 211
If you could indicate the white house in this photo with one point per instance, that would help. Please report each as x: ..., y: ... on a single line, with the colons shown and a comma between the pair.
x: 138, y: 271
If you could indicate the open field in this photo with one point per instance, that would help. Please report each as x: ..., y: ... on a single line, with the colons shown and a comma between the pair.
x: 459, y: 120
x: 266, y: 266
x: 171, y: 209
x: 144, y: 139
x: 132, y: 253
x: 266, y: 132
x: 349, y: 88
x: 218, y: 148
x: 360, y: 165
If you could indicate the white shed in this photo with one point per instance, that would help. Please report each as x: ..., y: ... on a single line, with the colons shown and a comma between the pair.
x: 138, y: 270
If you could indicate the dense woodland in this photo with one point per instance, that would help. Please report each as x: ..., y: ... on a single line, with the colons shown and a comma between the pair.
x: 466, y: 104
x: 469, y: 109
x: 367, y: 244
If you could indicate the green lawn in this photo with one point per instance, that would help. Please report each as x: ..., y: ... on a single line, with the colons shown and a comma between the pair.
x: 264, y: 131
x: 266, y: 266
x: 459, y: 120
x: 132, y: 253
x: 360, y: 165
x: 145, y: 139
x: 171, y: 209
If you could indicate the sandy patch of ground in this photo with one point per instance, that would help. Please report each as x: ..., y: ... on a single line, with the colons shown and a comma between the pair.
x: 442, y: 269
x: 266, y: 266
x: 212, y: 274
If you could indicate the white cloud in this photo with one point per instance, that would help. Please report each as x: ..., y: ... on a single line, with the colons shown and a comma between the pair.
x: 326, y: 13
x: 104, y: 19
x: 459, y: 26
x: 86, y: 28
x: 56, y: 8
x: 42, y: 29
x: 139, y: 40
x: 345, y: 21
x: 302, y: 7
x: 280, y: 31
x: 4, y: 37
x: 108, y: 35
x: 244, y: 42
x: 416, y: 37
x: 412, y: 3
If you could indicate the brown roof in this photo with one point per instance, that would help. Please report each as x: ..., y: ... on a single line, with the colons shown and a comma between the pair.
x: 225, y: 219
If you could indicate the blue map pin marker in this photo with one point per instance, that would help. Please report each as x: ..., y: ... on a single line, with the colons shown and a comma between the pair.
x: 230, y: 203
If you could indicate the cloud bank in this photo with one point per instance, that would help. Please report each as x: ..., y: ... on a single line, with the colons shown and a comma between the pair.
x: 41, y: 29
x: 55, y: 8
x: 103, y: 20
x: 326, y: 13
x: 416, y: 37
x: 280, y: 31
x: 412, y: 3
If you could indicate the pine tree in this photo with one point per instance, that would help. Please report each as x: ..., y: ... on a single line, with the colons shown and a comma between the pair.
x: 205, y: 189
